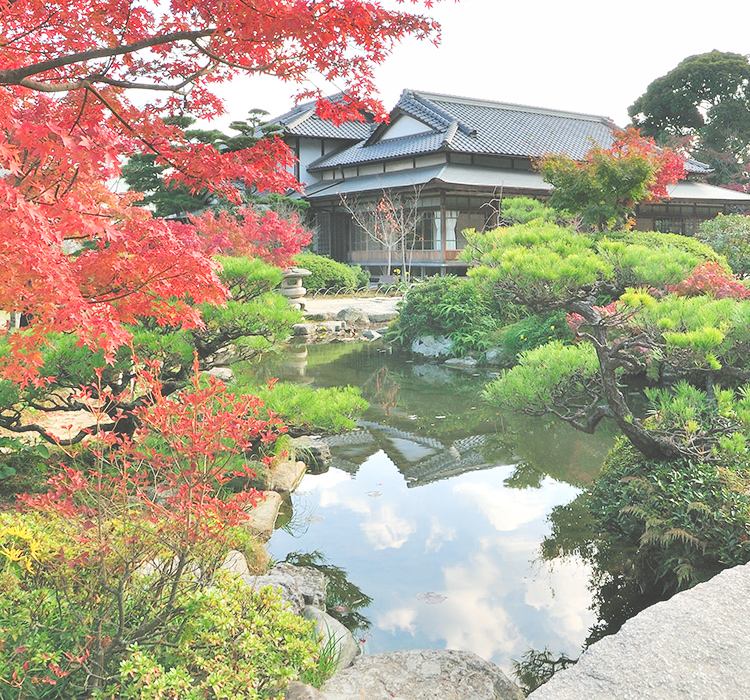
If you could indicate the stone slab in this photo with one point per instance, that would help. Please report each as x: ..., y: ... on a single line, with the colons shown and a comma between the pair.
x: 421, y: 675
x: 262, y: 518
x: 694, y: 646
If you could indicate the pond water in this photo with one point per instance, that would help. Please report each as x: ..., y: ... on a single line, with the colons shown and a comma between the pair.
x: 432, y: 513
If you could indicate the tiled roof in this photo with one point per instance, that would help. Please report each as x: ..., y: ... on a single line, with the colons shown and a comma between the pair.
x: 463, y: 125
x: 301, y: 120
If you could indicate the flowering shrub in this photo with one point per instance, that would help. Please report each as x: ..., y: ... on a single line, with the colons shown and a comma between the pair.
x: 711, y: 279
x: 103, y: 574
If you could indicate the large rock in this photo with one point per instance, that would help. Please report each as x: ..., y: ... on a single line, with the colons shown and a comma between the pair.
x: 284, y: 475
x: 310, y: 583
x: 313, y: 451
x: 334, y: 636
x: 692, y: 647
x: 354, y: 316
x: 299, y: 691
x: 300, y: 586
x: 429, y: 346
x: 282, y: 582
x: 421, y: 675
x: 262, y: 518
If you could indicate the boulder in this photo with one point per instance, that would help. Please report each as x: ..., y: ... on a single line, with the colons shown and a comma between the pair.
x: 223, y: 373
x: 313, y: 451
x: 282, y: 582
x: 284, y: 475
x: 691, y: 647
x: 303, y: 329
x: 461, y: 363
x: 262, y: 518
x: 422, y: 675
x: 429, y: 346
x: 353, y: 316
x: 495, y: 357
x: 235, y: 563
x: 299, y: 691
x: 334, y: 635
x: 310, y: 583
x: 371, y: 335
x: 300, y: 587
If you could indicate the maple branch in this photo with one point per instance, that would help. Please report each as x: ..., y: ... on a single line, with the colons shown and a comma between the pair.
x: 16, y: 76
x: 232, y: 64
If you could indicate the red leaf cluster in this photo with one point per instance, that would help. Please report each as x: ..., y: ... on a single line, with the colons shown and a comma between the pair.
x: 266, y: 235
x: 711, y: 279
x: 79, y: 258
x: 669, y: 165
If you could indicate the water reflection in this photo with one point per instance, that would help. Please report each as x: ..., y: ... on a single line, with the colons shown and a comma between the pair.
x: 439, y: 521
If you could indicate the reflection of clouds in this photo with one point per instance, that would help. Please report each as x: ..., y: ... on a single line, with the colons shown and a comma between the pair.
x: 472, y: 616
x: 327, y: 480
x: 562, y: 592
x: 438, y: 534
x: 397, y: 619
x: 388, y: 530
x: 508, y: 509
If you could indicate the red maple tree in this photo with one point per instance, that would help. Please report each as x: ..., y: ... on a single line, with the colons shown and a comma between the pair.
x: 77, y: 257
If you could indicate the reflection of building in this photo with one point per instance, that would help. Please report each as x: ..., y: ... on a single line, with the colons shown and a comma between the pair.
x: 420, y: 459
x: 462, y: 156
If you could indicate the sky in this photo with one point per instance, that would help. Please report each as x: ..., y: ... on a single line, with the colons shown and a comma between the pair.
x: 584, y: 56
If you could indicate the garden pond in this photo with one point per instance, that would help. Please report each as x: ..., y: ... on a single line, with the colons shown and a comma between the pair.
x: 430, y: 518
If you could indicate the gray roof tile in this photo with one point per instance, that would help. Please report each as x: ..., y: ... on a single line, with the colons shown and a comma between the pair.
x: 465, y: 125
x: 301, y: 120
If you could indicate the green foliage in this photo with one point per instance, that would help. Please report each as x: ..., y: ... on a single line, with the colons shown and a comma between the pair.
x: 533, y: 331
x: 542, y: 264
x: 522, y: 210
x: 684, y: 520
x: 450, y: 306
x: 306, y: 410
x: 329, y: 274
x: 730, y: 236
x: 706, y: 99
x: 233, y: 643
x: 545, y: 377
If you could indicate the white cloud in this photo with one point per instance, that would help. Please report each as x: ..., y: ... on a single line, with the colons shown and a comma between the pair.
x: 388, y: 530
x: 508, y: 509
x: 438, y: 534
x: 398, y: 619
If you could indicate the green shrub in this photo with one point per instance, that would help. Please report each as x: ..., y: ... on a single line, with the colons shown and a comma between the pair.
x: 451, y: 306
x: 233, y: 643
x: 306, y: 410
x: 730, y: 236
x: 329, y: 274
x: 533, y: 331
x: 683, y: 520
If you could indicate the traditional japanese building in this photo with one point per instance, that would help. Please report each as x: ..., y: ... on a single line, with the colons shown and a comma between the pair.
x: 452, y: 160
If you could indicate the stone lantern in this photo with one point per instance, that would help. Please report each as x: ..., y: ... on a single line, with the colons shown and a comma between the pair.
x: 291, y: 286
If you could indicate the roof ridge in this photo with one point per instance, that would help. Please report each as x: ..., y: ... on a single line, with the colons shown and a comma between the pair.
x: 428, y: 96
x: 439, y: 112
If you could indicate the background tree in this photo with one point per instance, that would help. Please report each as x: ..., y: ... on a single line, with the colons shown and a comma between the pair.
x: 706, y: 99
x: 605, y: 187
x: 78, y: 258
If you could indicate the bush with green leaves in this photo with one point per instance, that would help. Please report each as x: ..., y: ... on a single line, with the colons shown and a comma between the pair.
x: 729, y: 235
x: 533, y: 331
x: 306, y: 410
x: 331, y: 275
x: 682, y: 520
x: 449, y: 306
